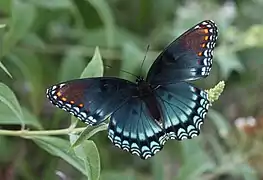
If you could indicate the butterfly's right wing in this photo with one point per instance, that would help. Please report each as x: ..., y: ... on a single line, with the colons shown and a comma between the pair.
x: 184, y: 108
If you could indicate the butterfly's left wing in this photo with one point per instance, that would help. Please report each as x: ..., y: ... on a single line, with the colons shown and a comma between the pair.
x: 184, y: 108
x: 189, y: 57
x: 91, y: 100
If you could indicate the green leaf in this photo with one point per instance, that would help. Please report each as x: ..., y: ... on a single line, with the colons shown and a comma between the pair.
x: 158, y: 172
x: 23, y: 15
x: 84, y: 10
x: 8, y: 117
x: 247, y: 172
x: 4, y: 69
x: 88, y: 133
x: 5, y: 6
x: 228, y: 62
x: 217, y: 149
x: 60, y: 148
x: 30, y: 66
x: 97, y: 37
x: 112, y: 175
x: 132, y: 59
x: 193, y: 154
x: 220, y: 122
x: 51, y: 4
x: 106, y: 15
x: 8, y: 98
x: 72, y: 64
x: 88, y: 152
x: 2, y: 27
x: 6, y: 153
x: 95, y: 66
x: 33, y: 40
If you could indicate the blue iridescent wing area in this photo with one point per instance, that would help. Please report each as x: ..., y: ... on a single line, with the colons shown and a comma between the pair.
x: 133, y: 130
x: 184, y: 109
x: 91, y: 100
x: 189, y: 57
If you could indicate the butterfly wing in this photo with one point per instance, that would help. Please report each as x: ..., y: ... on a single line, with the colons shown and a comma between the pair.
x: 189, y: 57
x: 184, y: 108
x: 133, y: 130
x: 91, y: 100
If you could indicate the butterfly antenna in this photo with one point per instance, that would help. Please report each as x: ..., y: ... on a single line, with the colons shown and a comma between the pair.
x: 147, y: 49
x: 122, y: 71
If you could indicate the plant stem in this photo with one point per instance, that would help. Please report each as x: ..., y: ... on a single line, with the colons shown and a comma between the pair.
x: 25, y: 133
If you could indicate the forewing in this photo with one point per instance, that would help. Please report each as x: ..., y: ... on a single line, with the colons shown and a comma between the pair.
x: 189, y: 57
x: 132, y: 129
x: 92, y: 99
x: 184, y: 108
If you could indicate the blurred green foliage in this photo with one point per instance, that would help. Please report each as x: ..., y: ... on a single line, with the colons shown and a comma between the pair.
x: 46, y: 42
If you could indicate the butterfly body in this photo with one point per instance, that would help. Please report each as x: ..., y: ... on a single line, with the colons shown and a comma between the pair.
x: 147, y: 95
x: 145, y: 114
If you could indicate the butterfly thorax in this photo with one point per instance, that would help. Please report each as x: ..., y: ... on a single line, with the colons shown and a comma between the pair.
x: 147, y: 94
x: 143, y: 87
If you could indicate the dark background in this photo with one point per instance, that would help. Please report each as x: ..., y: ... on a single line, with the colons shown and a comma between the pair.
x: 46, y: 42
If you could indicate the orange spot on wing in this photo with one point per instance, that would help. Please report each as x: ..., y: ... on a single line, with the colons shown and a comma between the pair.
x: 72, y: 102
x: 206, y: 31
x: 59, y: 94
x: 203, y: 45
x: 206, y: 38
x: 200, y: 54
x: 81, y: 105
x: 64, y: 99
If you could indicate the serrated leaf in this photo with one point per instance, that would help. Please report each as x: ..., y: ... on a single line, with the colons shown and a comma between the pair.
x: 95, y: 66
x: 88, y: 133
x: 23, y: 15
x: 88, y: 152
x: 60, y: 148
x: 220, y: 122
x: 8, y: 117
x: 8, y: 98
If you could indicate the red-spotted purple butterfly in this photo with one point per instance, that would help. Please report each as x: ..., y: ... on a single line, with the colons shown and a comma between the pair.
x: 145, y: 114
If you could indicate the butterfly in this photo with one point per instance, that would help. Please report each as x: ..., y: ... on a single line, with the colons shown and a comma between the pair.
x: 164, y: 105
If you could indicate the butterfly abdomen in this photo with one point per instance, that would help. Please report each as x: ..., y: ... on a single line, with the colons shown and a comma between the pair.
x: 147, y: 95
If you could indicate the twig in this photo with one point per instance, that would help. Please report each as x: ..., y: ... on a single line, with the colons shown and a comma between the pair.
x: 25, y: 133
